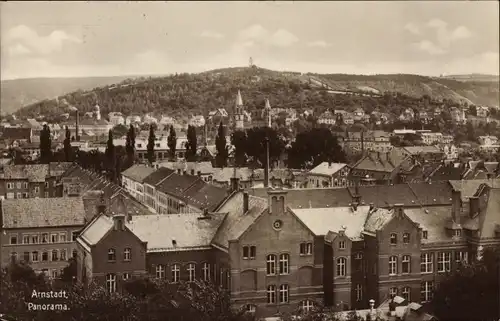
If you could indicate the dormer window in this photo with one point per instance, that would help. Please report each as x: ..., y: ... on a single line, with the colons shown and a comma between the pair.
x: 458, y: 233
x: 342, y: 245
x: 394, y: 239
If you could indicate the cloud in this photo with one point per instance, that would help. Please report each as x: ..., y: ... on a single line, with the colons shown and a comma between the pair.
x: 461, y: 33
x: 429, y: 47
x: 283, y: 38
x: 412, y: 28
x: 18, y: 50
x: 257, y: 34
x: 319, y: 43
x: 211, y: 34
x: 40, y: 44
x: 437, y: 24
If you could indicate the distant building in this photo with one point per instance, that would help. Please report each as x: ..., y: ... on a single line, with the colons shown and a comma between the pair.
x: 329, y: 175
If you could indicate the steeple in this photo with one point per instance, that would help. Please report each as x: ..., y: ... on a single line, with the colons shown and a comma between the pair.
x: 239, y: 101
x: 267, y: 110
x: 239, y: 117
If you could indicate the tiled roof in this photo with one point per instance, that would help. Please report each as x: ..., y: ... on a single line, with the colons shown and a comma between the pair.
x: 13, y: 133
x: 96, y: 230
x: 32, y: 172
x: 42, y: 212
x: 433, y: 220
x: 236, y: 221
x: 157, y: 176
x: 57, y: 169
x: 377, y: 219
x: 311, y: 197
x: 381, y: 162
x: 469, y: 187
x: 327, y: 169
x: 447, y: 172
x: 488, y: 220
x: 177, y: 184
x: 437, y: 193
x: 187, y: 230
x: 322, y: 220
x: 225, y: 174
x: 415, y: 150
x: 138, y: 172
x: 386, y: 195
x: 208, y: 196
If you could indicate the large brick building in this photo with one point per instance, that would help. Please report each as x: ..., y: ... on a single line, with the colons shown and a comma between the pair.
x: 279, y: 250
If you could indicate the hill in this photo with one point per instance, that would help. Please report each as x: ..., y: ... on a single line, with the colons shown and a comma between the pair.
x: 17, y: 93
x: 474, y: 77
x: 184, y: 94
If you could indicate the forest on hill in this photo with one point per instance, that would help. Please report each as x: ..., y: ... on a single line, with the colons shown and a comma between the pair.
x: 183, y: 95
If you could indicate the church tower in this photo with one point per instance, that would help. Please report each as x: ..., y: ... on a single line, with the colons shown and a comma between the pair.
x: 239, y: 113
x: 97, y: 112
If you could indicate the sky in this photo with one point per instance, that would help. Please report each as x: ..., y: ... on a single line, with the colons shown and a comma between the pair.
x: 78, y: 39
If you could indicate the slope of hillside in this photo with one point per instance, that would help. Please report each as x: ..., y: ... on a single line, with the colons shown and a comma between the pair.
x: 185, y: 94
x: 473, y: 77
x: 17, y: 93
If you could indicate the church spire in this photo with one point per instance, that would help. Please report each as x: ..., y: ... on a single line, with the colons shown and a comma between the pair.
x: 239, y: 101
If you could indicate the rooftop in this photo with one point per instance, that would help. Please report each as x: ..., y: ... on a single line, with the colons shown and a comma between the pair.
x: 327, y: 169
x: 138, y: 172
x: 157, y: 176
x: 42, y: 212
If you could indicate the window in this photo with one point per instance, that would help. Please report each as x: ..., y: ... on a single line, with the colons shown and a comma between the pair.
x: 10, y: 185
x: 424, y: 235
x: 284, y: 293
x: 46, y: 184
x: 74, y: 236
x: 54, y: 274
x: 271, y: 264
x: 160, y: 271
x: 342, y: 245
x: 127, y: 254
x: 461, y: 256
x: 175, y: 273
x: 191, y: 271
x: 26, y: 257
x: 394, y: 239
x: 13, y: 239
x: 284, y: 263
x: 405, y: 264
x: 406, y: 293
x: 406, y: 238
x: 358, y: 261
x: 111, y: 283
x: 34, y: 256
x: 444, y: 262
x: 55, y: 255
x: 74, y: 254
x: 125, y: 276
x: 18, y: 185
x: 54, y: 238
x: 246, y: 252
x: 458, y: 233
x: 37, y: 189
x: 62, y: 255
x: 426, y: 263
x: 34, y: 239
x: 45, y: 237
x: 25, y: 195
x: 206, y: 271
x: 26, y: 239
x: 253, y: 252
x: 250, y: 308
x: 307, y: 305
x: 393, y: 292
x: 111, y: 255
x: 62, y: 237
x: 393, y: 265
x: 19, y: 195
x: 306, y: 248
x: 341, y: 266
x: 271, y: 294
x: 13, y: 256
x: 25, y: 185
x: 426, y: 291
x: 45, y: 256
x: 46, y: 194
x: 359, y: 292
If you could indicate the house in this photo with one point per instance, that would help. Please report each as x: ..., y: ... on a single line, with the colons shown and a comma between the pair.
x: 132, y: 119
x: 133, y: 180
x: 450, y: 152
x: 116, y: 118
x: 488, y: 142
x: 14, y: 136
x: 205, y: 170
x: 197, y: 121
x: 275, y: 253
x: 94, y: 126
x: 41, y: 232
x: 327, y: 118
x: 381, y: 168
x: 329, y: 175
x: 428, y: 153
x: 458, y: 115
x: 482, y: 111
x: 151, y: 182
x: 429, y: 138
x: 30, y: 181
x: 373, y: 140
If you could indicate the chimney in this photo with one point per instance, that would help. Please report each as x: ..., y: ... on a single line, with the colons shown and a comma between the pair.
x: 398, y: 210
x: 474, y: 206
x: 245, y: 202
x: 77, y: 134
x: 235, y: 184
x: 199, y: 173
x: 356, y: 197
x: 192, y: 172
x: 372, y: 305
x: 101, y: 206
x: 179, y: 171
x: 266, y: 165
x: 456, y: 205
x: 119, y: 222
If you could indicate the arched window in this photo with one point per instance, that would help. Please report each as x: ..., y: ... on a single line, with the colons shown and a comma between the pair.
x: 271, y: 264
x: 341, y: 266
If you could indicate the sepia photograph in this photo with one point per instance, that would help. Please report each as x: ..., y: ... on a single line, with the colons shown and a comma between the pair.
x: 250, y: 161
